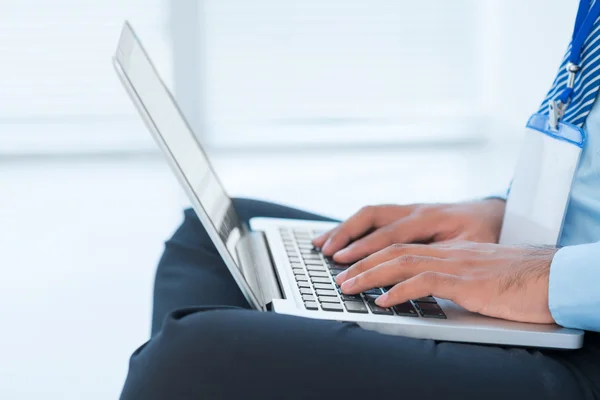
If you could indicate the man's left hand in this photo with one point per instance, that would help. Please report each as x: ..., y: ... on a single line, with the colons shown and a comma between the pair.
x: 508, y: 282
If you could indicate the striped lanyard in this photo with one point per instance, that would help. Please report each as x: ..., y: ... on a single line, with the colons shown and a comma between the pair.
x: 584, y: 23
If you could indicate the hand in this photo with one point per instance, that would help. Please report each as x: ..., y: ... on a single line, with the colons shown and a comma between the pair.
x: 508, y: 282
x: 376, y: 227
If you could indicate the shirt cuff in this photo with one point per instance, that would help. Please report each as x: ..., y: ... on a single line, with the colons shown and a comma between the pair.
x: 573, y: 295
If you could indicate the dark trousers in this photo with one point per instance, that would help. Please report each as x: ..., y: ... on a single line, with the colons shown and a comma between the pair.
x: 207, y: 344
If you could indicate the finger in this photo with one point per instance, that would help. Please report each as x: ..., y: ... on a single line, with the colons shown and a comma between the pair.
x: 390, y: 253
x: 370, y: 244
x: 320, y: 240
x: 406, y: 230
x: 427, y: 283
x: 353, y: 227
x: 391, y: 272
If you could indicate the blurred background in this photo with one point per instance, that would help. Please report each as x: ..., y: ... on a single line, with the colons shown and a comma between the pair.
x: 326, y: 105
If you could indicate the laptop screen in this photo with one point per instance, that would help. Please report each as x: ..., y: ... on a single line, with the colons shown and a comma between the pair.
x: 178, y: 138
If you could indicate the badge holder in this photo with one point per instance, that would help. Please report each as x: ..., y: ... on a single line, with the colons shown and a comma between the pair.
x: 541, y: 187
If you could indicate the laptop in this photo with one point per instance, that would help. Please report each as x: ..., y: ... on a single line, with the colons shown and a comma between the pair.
x: 273, y: 261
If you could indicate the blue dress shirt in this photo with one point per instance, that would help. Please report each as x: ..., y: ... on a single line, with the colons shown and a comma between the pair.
x: 574, y: 292
x: 574, y: 287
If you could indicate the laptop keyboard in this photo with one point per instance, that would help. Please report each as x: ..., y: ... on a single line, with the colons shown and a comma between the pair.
x: 315, y: 276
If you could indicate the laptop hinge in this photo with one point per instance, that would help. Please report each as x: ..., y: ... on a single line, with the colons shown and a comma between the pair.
x: 257, y: 267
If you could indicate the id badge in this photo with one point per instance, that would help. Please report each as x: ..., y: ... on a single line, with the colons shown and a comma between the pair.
x: 541, y: 186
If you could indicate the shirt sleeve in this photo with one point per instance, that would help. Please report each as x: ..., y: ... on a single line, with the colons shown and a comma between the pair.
x: 573, y: 294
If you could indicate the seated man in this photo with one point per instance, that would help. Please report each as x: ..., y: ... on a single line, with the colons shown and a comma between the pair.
x: 207, y: 344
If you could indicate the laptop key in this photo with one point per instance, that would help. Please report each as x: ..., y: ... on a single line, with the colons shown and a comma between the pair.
x: 406, y: 310
x: 329, y: 299
x: 311, y: 256
x: 308, y: 249
x: 375, y: 309
x: 333, y: 264
x: 303, y: 237
x: 301, y: 278
x: 305, y: 291
x: 371, y: 297
x: 316, y: 268
x: 355, y: 307
x: 314, y: 261
x: 431, y: 310
x: 375, y: 291
x: 311, y: 305
x: 327, y: 286
x: 335, y: 271
x: 352, y: 297
x: 302, y: 284
x: 318, y: 273
x: 319, y: 279
x: 308, y: 297
x: 298, y: 271
x: 426, y: 299
x: 326, y: 292
x: 332, y: 307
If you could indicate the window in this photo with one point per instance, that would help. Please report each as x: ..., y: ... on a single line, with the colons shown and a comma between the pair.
x: 280, y: 72
x: 331, y: 70
x: 59, y: 90
x: 348, y: 72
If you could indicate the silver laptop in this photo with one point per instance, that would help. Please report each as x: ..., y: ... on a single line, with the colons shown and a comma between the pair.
x: 273, y: 261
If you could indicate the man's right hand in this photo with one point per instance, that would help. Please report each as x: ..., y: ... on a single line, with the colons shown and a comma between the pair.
x: 374, y: 228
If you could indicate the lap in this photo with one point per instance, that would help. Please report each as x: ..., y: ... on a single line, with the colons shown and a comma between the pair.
x: 191, y: 272
x: 230, y: 352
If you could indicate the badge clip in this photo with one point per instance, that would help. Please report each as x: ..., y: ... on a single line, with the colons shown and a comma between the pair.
x: 555, y: 111
x: 556, y: 108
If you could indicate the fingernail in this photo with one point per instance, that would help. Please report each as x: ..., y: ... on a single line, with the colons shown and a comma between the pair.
x: 325, y: 247
x: 341, y: 253
x: 381, y: 300
x: 348, y: 285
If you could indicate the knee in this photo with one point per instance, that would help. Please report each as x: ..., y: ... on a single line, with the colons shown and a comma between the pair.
x: 187, y: 359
